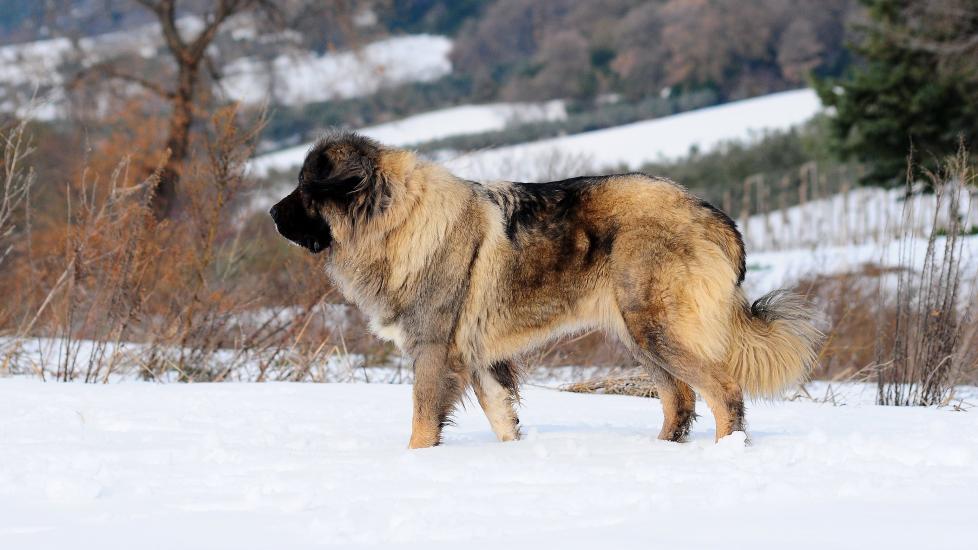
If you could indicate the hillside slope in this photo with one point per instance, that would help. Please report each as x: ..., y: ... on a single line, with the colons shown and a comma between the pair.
x: 631, y: 145
x: 627, y: 146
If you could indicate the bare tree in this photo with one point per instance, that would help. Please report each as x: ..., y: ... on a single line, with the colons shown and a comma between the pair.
x: 197, y: 71
x: 190, y: 56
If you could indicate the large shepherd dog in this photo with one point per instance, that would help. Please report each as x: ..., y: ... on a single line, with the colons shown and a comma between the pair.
x: 465, y: 277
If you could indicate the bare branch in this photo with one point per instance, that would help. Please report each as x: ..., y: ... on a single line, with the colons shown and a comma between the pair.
x: 225, y: 9
x: 109, y: 70
x: 215, y: 73
x: 166, y: 14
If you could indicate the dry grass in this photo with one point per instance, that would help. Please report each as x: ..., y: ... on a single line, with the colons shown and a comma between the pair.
x: 636, y: 385
x: 851, y: 308
x: 205, y: 296
x: 212, y: 295
x: 926, y: 359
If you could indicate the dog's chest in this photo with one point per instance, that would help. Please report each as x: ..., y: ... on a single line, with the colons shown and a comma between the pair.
x: 373, y: 306
x: 392, y: 333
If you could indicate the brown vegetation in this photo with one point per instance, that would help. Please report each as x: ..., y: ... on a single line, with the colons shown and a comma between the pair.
x: 206, y: 296
x: 933, y: 322
x: 194, y: 75
x: 577, y: 49
x: 215, y: 295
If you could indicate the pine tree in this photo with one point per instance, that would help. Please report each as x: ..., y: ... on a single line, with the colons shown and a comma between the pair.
x: 895, y: 99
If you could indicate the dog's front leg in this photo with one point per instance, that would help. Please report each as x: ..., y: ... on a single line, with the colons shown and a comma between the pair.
x: 438, y: 386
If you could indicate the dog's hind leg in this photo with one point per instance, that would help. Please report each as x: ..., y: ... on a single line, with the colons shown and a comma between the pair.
x: 439, y: 381
x: 676, y: 371
x: 497, y: 389
x: 678, y: 399
x: 721, y: 392
x: 678, y: 403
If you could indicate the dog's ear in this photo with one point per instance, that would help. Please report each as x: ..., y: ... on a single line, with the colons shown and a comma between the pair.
x: 344, y: 169
x: 358, y: 169
x: 326, y: 180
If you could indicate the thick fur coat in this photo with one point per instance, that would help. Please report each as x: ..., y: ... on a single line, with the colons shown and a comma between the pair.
x: 465, y: 277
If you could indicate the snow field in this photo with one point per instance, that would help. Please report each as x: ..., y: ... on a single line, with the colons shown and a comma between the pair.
x: 770, y: 270
x: 628, y: 145
x: 860, y: 215
x: 452, y: 121
x: 632, y: 145
x: 304, y: 466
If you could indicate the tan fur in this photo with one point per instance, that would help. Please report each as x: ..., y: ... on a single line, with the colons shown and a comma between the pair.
x: 770, y: 354
x: 463, y: 276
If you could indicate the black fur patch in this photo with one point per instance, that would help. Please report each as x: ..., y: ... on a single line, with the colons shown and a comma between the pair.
x: 553, y: 213
x: 507, y: 374
x: 599, y: 244
x: 723, y: 217
x: 542, y: 206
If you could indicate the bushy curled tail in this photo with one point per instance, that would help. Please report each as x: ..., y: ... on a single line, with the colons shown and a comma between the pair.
x: 774, y: 343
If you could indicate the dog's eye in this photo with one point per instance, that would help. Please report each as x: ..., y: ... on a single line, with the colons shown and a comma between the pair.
x: 311, y: 190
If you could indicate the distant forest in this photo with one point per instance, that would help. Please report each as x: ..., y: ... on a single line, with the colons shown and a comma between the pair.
x: 578, y: 49
x: 526, y: 49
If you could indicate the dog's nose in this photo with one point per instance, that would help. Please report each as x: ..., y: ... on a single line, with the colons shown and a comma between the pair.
x: 273, y: 211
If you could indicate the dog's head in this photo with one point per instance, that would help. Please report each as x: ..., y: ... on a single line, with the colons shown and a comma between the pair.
x: 340, y: 181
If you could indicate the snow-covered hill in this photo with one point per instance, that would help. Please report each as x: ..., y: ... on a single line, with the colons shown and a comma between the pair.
x: 291, y: 79
x: 304, y: 78
x: 627, y: 146
x: 31, y: 73
x: 631, y: 145
x: 856, y: 216
x: 452, y: 121
x: 308, y: 466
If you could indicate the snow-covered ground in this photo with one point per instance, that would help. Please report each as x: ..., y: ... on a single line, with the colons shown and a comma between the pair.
x: 306, y: 77
x: 767, y: 271
x: 452, y: 121
x: 627, y: 146
x: 858, y: 216
x: 309, y: 465
x: 631, y: 145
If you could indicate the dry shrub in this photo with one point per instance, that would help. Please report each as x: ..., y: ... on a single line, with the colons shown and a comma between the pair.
x: 210, y: 294
x: 16, y: 181
x: 851, y: 306
x: 927, y: 358
x: 910, y: 329
x: 592, y: 348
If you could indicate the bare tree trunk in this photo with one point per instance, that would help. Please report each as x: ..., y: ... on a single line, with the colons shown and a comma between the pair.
x: 189, y: 54
x: 165, y: 203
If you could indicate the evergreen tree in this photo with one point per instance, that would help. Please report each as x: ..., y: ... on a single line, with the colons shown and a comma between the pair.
x: 896, y: 99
